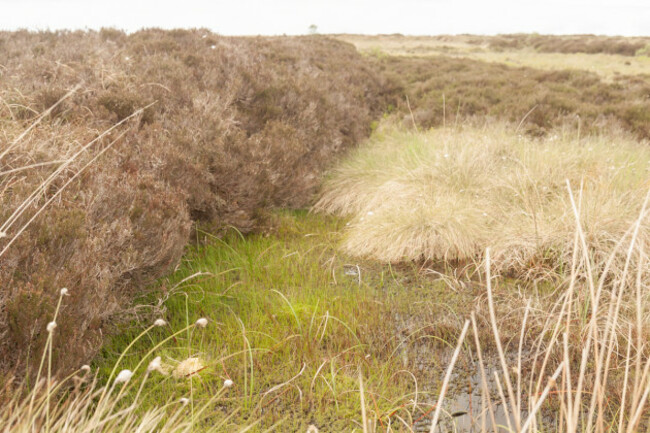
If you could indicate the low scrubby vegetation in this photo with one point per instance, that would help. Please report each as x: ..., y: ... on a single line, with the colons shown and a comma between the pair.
x: 565, y: 44
x: 588, y: 44
x: 605, y: 65
x: 100, y: 197
x: 448, y: 90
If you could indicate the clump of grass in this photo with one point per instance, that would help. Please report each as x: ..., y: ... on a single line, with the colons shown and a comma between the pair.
x: 447, y: 194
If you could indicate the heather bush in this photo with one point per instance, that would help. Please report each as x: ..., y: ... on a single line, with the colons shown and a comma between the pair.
x: 589, y: 44
x: 230, y: 127
x: 542, y: 100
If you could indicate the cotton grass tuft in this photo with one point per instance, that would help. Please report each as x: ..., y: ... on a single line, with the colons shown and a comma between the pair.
x: 124, y: 376
x: 188, y: 367
x: 155, y: 364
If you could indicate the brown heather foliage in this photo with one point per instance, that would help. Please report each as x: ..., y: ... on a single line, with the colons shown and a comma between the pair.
x: 237, y: 125
x: 566, y: 44
x: 589, y: 44
x: 473, y: 88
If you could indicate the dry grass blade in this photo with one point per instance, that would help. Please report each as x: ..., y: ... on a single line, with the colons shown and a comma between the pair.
x: 445, y: 382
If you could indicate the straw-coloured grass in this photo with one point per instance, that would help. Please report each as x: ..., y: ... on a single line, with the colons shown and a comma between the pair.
x: 447, y: 194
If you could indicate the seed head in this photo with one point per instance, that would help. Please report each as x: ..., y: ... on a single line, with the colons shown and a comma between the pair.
x: 64, y: 291
x: 228, y: 383
x: 159, y: 322
x: 124, y: 376
x: 188, y: 367
x: 202, y: 322
x: 50, y: 326
x: 85, y: 368
x: 155, y: 364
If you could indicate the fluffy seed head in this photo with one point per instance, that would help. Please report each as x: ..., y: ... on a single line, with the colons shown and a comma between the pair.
x: 64, y: 291
x: 228, y: 383
x: 188, y: 367
x: 124, y: 376
x: 202, y: 322
x: 50, y: 326
x: 159, y: 322
x: 85, y: 368
x: 155, y: 364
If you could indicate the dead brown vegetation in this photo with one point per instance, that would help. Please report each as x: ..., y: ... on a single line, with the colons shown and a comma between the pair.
x: 233, y: 126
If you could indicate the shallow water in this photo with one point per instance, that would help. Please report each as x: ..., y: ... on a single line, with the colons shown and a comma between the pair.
x: 463, y: 411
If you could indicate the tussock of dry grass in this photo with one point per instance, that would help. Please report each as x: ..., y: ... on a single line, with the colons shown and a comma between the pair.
x: 448, y: 194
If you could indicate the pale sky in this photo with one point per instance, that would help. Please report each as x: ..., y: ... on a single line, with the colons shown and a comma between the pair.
x: 271, y: 17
